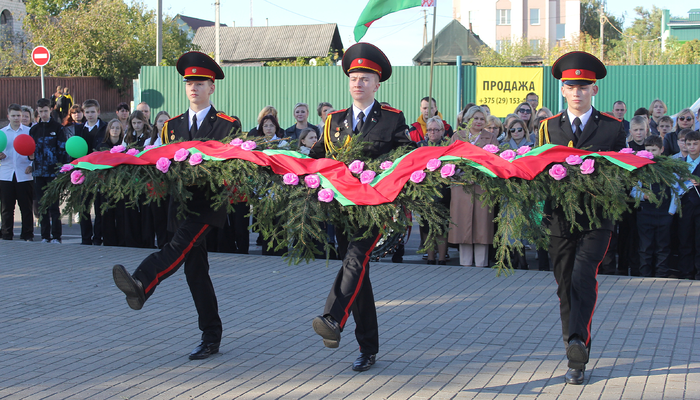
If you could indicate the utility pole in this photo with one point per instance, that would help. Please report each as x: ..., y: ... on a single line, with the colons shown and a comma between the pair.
x: 217, y: 32
x: 602, y: 28
x: 425, y: 28
x: 159, y: 34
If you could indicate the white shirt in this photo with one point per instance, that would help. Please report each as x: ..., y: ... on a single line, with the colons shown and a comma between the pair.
x: 356, y: 112
x: 200, y: 117
x: 90, y: 128
x: 15, y: 164
x: 584, y: 119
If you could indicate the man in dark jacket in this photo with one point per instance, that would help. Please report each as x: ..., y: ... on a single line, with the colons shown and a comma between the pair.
x: 384, y: 129
x: 576, y: 254
x: 188, y: 244
x: 50, y: 150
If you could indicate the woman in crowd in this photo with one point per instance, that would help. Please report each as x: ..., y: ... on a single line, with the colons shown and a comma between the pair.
x: 516, y: 135
x: 75, y: 117
x: 495, y: 127
x: 460, y: 116
x: 301, y: 115
x: 267, y: 110
x: 657, y: 109
x: 435, y: 135
x: 472, y: 226
x: 525, y: 112
x: 323, y: 109
x: 684, y: 120
x: 307, y: 139
x: 113, y: 218
x: 269, y: 127
x: 161, y: 118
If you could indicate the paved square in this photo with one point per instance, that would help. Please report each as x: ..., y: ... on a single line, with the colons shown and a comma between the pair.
x: 445, y: 332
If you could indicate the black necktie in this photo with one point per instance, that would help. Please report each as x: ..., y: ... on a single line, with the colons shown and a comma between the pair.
x: 193, y: 128
x: 360, y: 122
x: 577, y: 129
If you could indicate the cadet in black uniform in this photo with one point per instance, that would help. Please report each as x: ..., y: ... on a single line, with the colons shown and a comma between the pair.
x: 384, y: 128
x: 577, y: 255
x: 188, y: 245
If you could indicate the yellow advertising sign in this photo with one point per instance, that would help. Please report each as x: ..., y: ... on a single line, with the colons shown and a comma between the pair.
x: 503, y: 88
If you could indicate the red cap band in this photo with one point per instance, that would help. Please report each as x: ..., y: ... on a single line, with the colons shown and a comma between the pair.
x: 578, y: 75
x: 199, y: 71
x: 365, y: 64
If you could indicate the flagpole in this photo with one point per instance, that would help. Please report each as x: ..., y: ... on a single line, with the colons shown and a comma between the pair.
x: 432, y: 62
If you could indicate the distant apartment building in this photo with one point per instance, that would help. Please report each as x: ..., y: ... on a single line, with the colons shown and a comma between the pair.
x: 682, y: 29
x: 537, y: 21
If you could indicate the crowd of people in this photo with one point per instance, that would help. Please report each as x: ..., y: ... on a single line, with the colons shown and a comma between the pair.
x: 638, y: 249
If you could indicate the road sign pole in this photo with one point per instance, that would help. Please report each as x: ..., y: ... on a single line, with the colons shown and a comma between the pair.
x: 43, y: 93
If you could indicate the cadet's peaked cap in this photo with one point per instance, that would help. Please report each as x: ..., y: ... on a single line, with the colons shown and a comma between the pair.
x: 578, y: 68
x: 196, y: 66
x: 365, y: 57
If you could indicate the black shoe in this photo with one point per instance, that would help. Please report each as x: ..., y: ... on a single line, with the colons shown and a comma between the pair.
x: 574, y: 376
x: 204, y: 350
x: 576, y: 352
x: 364, y: 362
x: 132, y: 288
x: 444, y: 262
x: 328, y: 329
x: 431, y: 262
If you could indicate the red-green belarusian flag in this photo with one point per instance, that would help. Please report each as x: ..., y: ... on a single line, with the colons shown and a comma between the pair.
x: 376, y: 9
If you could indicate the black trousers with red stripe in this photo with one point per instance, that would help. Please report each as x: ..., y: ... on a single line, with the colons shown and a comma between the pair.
x: 576, y: 260
x: 352, y: 291
x: 188, y: 246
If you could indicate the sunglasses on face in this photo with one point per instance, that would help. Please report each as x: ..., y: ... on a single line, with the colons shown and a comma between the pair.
x: 685, y: 118
x: 525, y: 111
x: 512, y: 130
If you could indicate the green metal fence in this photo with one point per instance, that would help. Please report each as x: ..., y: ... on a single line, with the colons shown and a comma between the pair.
x: 246, y: 90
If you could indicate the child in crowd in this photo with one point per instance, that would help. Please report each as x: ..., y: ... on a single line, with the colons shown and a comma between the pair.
x: 665, y: 126
x: 307, y: 139
x: 689, y: 222
x: 639, y: 130
x: 138, y: 129
x: 654, y: 223
x: 161, y: 118
x: 682, y: 150
x: 113, y: 218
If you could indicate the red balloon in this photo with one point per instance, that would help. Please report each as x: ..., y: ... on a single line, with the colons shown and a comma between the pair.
x: 24, y: 145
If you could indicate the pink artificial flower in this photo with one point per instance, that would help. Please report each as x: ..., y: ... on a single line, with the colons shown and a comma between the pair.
x: 326, y: 195
x: 236, y: 142
x: 645, y: 154
x: 312, y: 181
x: 491, y: 148
x: 573, y: 160
x: 77, y: 177
x: 417, y: 176
x: 508, y: 155
x: 132, y: 152
x: 163, y: 164
x: 587, y: 166
x: 117, y: 149
x: 627, y: 150
x: 290, y: 179
x: 447, y: 170
x: 248, y: 145
x: 181, y: 155
x: 356, y: 166
x: 433, y: 164
x: 523, y: 150
x: 150, y: 146
x: 386, y: 165
x: 196, y: 159
x: 367, y: 176
x: 558, y: 172
x: 66, y: 168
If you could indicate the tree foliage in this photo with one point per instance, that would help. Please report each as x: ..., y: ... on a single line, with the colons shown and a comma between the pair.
x: 331, y: 59
x: 109, y: 39
x: 590, y: 22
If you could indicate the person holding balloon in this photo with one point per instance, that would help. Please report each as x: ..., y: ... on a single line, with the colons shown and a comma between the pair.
x: 50, y: 150
x: 16, y: 184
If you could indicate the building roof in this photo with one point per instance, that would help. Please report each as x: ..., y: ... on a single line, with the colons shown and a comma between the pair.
x: 246, y: 45
x: 452, y: 41
x: 196, y: 23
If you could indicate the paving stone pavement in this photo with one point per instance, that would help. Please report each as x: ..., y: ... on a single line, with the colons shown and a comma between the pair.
x: 445, y: 332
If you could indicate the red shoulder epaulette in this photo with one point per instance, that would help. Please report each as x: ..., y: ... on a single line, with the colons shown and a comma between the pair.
x: 552, y: 117
x: 392, y: 109
x: 608, y: 115
x: 337, y: 111
x: 177, y: 116
x: 226, y: 117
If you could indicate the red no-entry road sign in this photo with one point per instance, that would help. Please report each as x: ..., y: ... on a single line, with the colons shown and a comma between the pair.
x: 41, y: 56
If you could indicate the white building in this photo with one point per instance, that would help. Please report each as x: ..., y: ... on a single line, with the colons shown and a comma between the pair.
x: 12, y: 13
x: 538, y: 21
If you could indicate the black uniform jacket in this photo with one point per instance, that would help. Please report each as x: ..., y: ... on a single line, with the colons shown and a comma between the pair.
x: 601, y: 133
x: 384, y: 129
x: 216, y: 126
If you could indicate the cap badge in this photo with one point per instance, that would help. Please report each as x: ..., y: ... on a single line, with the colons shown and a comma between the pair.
x: 194, y: 70
x: 578, y: 72
x: 360, y: 61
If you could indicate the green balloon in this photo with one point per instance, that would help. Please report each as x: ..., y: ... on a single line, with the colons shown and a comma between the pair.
x: 76, y: 147
x: 3, y: 141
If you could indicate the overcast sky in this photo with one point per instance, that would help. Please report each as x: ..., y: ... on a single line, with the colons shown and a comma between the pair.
x: 399, y: 35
